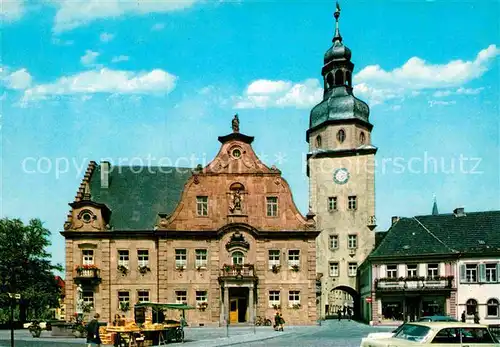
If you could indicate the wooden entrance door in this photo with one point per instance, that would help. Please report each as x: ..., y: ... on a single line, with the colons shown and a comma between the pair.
x: 233, y: 311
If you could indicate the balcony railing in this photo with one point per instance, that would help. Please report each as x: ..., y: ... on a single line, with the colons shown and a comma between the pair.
x: 238, y: 271
x: 414, y: 283
x: 87, y: 274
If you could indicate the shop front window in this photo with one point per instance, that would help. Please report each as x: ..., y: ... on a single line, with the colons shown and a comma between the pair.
x: 392, y: 310
x: 433, y: 308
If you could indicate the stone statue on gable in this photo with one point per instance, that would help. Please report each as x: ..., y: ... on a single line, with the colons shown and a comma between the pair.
x: 236, y: 124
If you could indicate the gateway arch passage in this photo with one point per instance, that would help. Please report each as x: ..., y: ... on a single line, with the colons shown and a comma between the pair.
x: 342, y: 298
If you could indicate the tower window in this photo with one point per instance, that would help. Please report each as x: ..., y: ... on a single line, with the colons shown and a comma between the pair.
x: 348, y: 78
x: 329, y: 80
x: 339, y: 77
x: 362, y: 138
x: 318, y: 141
x: 341, y: 135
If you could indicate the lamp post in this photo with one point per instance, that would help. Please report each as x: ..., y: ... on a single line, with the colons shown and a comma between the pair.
x: 13, y: 297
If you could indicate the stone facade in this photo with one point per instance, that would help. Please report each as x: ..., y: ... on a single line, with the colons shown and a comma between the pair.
x: 341, y: 170
x: 233, y: 245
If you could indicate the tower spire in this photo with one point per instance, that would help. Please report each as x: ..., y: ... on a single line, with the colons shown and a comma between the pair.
x: 435, y: 211
x: 337, y: 36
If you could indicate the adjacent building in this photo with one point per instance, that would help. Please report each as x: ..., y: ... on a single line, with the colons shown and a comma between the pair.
x: 227, y: 239
x: 340, y: 167
x: 435, y: 264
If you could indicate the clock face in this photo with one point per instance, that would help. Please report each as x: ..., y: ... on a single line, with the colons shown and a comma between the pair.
x: 341, y: 176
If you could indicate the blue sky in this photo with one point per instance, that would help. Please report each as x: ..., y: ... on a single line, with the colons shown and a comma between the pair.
x: 122, y: 80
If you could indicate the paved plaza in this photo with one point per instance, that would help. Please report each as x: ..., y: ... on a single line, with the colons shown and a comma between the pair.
x: 330, y: 333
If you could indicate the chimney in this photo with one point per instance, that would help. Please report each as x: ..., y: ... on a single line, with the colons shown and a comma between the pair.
x: 394, y: 219
x: 459, y: 212
x: 105, y: 168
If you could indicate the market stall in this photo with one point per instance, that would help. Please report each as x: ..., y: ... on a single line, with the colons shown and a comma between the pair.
x: 160, y: 330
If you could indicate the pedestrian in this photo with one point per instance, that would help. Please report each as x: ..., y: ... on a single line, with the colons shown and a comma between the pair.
x: 282, y: 321
x: 276, y: 320
x: 93, y: 337
x: 476, y: 318
x: 349, y: 313
x: 463, y: 317
x: 339, y: 314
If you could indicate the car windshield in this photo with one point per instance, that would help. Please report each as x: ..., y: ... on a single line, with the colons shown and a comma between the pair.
x: 410, y: 332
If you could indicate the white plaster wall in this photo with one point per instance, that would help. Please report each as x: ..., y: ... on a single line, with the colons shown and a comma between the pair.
x: 481, y: 292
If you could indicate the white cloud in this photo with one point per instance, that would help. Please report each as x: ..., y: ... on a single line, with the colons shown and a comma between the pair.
x: 376, y: 85
x: 17, y: 80
x: 416, y: 74
x: 120, y: 58
x: 20, y: 80
x: 105, y: 81
x: 11, y: 10
x: 158, y: 27
x: 74, y: 13
x: 89, y: 57
x: 265, y: 93
x: 106, y: 37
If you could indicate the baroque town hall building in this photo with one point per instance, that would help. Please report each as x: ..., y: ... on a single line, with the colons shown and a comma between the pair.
x: 226, y: 238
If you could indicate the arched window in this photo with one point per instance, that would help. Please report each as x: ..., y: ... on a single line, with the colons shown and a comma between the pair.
x: 341, y: 135
x: 471, y: 307
x: 329, y: 80
x: 318, y: 141
x: 348, y: 80
x: 492, y: 310
x: 238, y: 258
x: 362, y: 138
x: 339, y: 77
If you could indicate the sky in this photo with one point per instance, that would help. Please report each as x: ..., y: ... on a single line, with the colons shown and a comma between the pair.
x: 155, y: 83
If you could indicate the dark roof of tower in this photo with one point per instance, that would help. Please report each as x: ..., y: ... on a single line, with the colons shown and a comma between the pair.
x: 341, y: 105
x: 338, y: 102
x: 338, y: 51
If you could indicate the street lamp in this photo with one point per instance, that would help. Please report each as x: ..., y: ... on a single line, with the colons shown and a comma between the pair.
x: 13, y: 297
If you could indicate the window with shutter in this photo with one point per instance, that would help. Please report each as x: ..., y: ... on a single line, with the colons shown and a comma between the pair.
x: 462, y: 274
x: 482, y: 273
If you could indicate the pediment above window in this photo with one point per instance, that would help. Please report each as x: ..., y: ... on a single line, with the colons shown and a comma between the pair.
x: 237, y: 240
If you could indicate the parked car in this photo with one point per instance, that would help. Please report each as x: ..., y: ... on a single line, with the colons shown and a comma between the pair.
x: 387, y: 334
x: 450, y: 334
x: 437, y: 319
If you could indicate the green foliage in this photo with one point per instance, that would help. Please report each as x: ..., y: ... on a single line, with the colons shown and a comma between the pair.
x: 25, y: 268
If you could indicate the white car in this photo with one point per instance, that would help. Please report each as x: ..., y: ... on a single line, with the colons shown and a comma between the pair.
x: 379, y: 335
x: 449, y: 334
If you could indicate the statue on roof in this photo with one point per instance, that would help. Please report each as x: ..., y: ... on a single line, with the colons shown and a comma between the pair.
x: 235, y: 124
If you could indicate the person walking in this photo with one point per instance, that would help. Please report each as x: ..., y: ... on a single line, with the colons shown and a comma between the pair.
x: 339, y: 314
x: 282, y: 321
x: 93, y: 337
x: 476, y: 318
x: 276, y: 320
x: 462, y: 318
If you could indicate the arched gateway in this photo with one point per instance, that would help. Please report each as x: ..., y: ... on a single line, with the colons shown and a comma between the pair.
x: 342, y: 298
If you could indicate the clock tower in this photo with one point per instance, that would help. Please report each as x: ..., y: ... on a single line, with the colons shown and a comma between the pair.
x: 340, y: 167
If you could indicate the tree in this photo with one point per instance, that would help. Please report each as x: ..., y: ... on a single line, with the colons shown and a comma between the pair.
x: 25, y: 268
